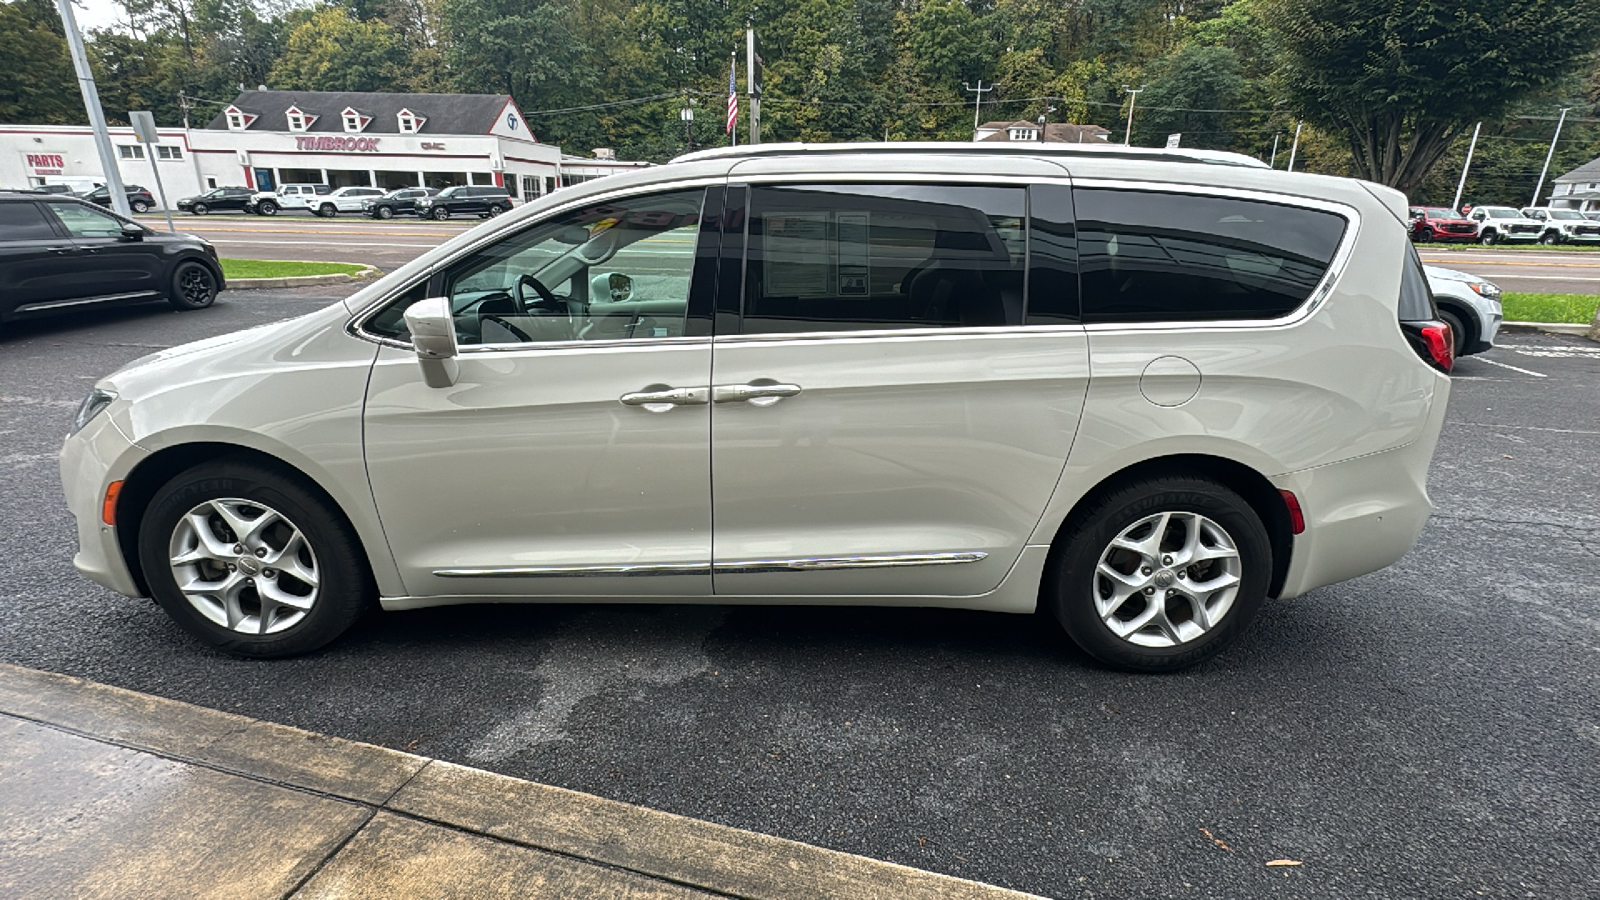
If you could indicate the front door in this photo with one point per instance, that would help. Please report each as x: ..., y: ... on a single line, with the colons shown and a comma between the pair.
x: 883, y: 422
x: 572, y: 454
x: 110, y: 264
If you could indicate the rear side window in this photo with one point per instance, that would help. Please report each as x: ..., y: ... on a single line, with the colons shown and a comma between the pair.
x: 849, y: 257
x: 24, y: 222
x: 1416, y: 298
x: 1156, y: 257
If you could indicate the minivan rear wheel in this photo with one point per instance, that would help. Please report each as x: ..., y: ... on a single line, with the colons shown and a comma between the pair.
x: 1161, y: 574
x: 251, y: 561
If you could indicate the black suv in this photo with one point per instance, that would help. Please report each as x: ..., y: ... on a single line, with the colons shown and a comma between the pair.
x: 398, y: 202
x: 139, y: 199
x: 482, y: 200
x: 239, y: 198
x: 60, y: 253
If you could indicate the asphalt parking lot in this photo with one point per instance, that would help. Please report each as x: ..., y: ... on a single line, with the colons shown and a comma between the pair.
x: 1432, y: 730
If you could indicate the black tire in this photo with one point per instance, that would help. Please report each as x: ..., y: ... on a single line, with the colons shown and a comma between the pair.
x: 194, y: 286
x: 1073, y: 583
x: 1458, y: 331
x: 345, y: 589
x: 496, y: 210
x: 267, y: 208
x: 327, y: 210
x: 1488, y: 238
x: 440, y: 214
x: 384, y: 212
x: 1424, y: 235
x: 139, y: 206
x: 1550, y: 238
x: 200, y: 209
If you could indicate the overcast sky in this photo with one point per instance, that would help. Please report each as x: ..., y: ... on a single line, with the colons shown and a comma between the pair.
x: 95, y: 13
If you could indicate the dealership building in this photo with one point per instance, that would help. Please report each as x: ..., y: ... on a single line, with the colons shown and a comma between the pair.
x: 267, y: 138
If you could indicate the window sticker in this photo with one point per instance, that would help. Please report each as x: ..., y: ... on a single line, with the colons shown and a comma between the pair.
x: 852, y: 234
x: 799, y: 258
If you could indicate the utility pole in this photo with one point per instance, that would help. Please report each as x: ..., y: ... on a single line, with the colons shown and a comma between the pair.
x: 752, y: 82
x: 91, y: 105
x: 1455, y: 205
x: 1294, y: 149
x: 977, y: 102
x: 1127, y: 139
x: 1549, y: 156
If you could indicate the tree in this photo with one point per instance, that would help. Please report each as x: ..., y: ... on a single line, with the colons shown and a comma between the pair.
x: 334, y: 52
x: 1399, y: 80
x: 37, y: 85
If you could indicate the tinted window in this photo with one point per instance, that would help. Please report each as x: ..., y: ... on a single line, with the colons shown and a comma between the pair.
x: 1416, y: 298
x: 853, y: 257
x: 24, y: 222
x: 1052, y: 257
x: 1155, y: 257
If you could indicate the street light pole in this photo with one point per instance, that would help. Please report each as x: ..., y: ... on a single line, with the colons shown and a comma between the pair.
x: 1455, y: 205
x: 1294, y: 149
x: 1127, y: 139
x: 1549, y: 156
x: 91, y: 105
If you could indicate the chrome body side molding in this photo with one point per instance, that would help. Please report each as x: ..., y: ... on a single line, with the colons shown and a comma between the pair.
x: 741, y: 566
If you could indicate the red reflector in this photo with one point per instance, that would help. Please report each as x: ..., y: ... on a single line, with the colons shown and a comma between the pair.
x: 1297, y: 519
x: 108, y: 508
x: 1440, y: 345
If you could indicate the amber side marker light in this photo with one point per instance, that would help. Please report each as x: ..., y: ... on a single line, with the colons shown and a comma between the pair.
x: 108, y: 509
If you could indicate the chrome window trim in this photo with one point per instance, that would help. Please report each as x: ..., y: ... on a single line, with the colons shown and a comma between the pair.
x: 1319, y: 294
x: 357, y: 323
x: 749, y: 566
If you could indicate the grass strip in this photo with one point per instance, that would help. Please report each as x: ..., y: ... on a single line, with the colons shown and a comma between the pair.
x: 1575, y: 308
x: 280, y: 268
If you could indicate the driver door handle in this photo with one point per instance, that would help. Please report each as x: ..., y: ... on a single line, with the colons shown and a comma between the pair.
x: 658, y: 398
x: 763, y: 392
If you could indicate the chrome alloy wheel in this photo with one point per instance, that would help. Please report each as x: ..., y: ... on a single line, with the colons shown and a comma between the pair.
x: 244, y: 566
x: 1167, y: 579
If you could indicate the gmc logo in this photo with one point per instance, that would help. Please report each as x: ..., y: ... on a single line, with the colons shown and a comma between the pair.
x: 46, y: 161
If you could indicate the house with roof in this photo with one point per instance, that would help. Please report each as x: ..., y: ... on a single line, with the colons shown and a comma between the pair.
x: 1578, y: 189
x: 1048, y: 132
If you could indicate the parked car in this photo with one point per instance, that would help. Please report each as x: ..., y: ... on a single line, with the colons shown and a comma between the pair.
x: 401, y: 202
x: 290, y: 196
x: 218, y: 200
x: 1564, y: 226
x: 61, y: 253
x: 483, y: 200
x: 53, y: 189
x: 139, y: 199
x: 904, y: 406
x: 345, y: 199
x: 1435, y: 223
x: 1496, y: 224
x: 1471, y: 306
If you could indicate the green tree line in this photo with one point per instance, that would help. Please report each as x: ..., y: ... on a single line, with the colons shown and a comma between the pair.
x: 1385, y: 89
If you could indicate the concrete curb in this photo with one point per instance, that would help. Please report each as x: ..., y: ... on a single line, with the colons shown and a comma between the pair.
x: 244, y: 284
x: 1552, y: 327
x: 414, y: 801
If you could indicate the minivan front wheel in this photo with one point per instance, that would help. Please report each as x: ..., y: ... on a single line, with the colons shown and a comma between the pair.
x: 252, y: 562
x: 1161, y: 574
x: 193, y: 286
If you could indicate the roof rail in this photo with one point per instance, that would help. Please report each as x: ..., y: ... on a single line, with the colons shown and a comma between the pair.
x: 977, y: 148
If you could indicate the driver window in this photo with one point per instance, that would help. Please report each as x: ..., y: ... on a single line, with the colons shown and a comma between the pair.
x: 605, y: 272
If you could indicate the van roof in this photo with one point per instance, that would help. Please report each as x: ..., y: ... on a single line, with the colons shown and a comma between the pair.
x: 947, y: 148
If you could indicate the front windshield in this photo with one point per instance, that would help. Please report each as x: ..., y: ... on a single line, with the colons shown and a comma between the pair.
x: 216, y: 193
x: 1436, y: 213
x: 1501, y: 213
x: 1566, y: 214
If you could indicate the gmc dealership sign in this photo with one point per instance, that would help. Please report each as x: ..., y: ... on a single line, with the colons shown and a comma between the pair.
x: 46, y: 163
x: 337, y: 144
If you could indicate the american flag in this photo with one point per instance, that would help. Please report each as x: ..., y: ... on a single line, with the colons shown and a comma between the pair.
x: 733, y: 97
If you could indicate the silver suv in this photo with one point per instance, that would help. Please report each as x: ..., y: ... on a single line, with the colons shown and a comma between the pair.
x: 1145, y: 389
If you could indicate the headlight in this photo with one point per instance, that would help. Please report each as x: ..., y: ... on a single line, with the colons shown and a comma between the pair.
x: 1484, y: 289
x: 92, y: 405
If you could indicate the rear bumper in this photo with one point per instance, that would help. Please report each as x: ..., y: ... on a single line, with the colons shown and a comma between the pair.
x: 1362, y: 514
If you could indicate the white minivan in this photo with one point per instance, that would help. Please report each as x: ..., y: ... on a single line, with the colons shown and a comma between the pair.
x: 1146, y: 390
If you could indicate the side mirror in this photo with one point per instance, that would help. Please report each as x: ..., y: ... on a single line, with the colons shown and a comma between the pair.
x: 614, y: 287
x: 131, y: 232
x: 433, y: 337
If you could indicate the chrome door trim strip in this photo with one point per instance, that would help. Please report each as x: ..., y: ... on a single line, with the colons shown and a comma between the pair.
x: 794, y: 564
x: 62, y: 304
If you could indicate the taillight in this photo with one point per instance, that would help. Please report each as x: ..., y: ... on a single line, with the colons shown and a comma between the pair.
x: 1433, y: 342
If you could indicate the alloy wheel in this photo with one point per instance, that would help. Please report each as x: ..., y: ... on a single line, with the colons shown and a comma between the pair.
x: 244, y: 566
x: 1167, y: 579
x: 196, y: 285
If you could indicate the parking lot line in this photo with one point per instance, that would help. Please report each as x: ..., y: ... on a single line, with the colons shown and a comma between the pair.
x: 1513, y: 368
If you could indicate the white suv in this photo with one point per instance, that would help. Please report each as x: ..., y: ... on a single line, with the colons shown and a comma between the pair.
x: 345, y: 199
x: 1146, y: 389
x: 1498, y: 224
x: 1564, y: 226
x: 288, y: 196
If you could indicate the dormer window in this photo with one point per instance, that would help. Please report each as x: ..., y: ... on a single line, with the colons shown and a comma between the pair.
x: 238, y: 119
x: 355, y: 122
x: 410, y: 122
x: 1024, y: 134
x: 299, y: 121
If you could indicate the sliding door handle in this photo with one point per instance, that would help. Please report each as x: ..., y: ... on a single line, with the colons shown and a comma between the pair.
x: 761, y: 392
x: 659, y: 398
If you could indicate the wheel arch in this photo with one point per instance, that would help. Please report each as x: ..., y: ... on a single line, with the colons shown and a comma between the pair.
x: 1243, y: 480
x: 140, y: 485
x: 1469, y: 318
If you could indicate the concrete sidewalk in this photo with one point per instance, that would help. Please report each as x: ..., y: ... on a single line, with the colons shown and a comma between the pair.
x: 110, y: 793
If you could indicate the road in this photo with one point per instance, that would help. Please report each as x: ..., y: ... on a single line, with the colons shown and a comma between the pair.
x: 1530, y: 269
x: 1432, y: 730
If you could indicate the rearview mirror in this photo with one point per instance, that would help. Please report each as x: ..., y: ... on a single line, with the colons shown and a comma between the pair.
x: 613, y: 287
x: 433, y: 337
x: 131, y: 232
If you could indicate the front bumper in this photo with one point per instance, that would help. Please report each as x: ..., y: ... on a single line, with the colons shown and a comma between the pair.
x: 90, y: 461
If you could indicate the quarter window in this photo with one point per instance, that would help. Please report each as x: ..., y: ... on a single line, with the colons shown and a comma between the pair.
x: 859, y: 257
x: 1156, y: 257
x: 610, y: 271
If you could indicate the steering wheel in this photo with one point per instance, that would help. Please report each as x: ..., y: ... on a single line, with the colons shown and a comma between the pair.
x: 547, y: 300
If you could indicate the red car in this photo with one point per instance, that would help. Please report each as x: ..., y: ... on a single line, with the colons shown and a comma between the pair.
x: 1435, y: 223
